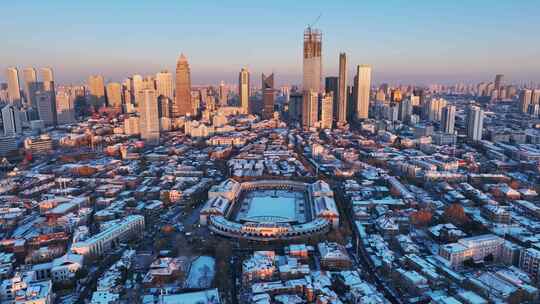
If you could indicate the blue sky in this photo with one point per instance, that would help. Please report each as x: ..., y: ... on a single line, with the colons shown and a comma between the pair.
x: 405, y: 41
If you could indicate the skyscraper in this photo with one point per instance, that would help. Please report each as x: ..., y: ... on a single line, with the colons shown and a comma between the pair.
x: 149, y: 116
x: 33, y: 89
x: 433, y: 109
x: 312, y: 63
x: 223, y: 94
x: 65, y: 106
x: 96, y: 87
x: 525, y: 98
x: 342, y: 90
x: 182, y: 104
x: 164, y: 106
x: 362, y: 90
x: 310, y: 109
x: 405, y: 110
x: 14, y: 89
x: 327, y: 108
x: 29, y: 76
x: 295, y: 106
x: 268, y: 96
x: 137, y: 85
x: 165, y: 84
x: 243, y: 90
x: 499, y: 81
x: 46, y: 108
x: 535, y: 98
x: 448, y: 119
x: 47, y: 77
x: 475, y: 123
x: 114, y: 95
x: 331, y: 86
x: 12, y: 120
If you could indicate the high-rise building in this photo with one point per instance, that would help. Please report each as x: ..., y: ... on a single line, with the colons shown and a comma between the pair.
x: 362, y: 90
x: 33, y: 88
x: 405, y: 110
x: 137, y: 85
x: 243, y: 90
x: 268, y: 96
x: 310, y: 109
x: 29, y: 76
x: 12, y: 120
x: 126, y: 92
x: 448, y: 119
x: 114, y: 95
x: 342, y: 90
x: 65, y: 106
x: 433, y: 109
x: 222, y: 94
x: 96, y: 86
x: 149, y: 116
x: 14, y: 89
x: 327, y: 109
x: 312, y: 63
x: 535, y: 98
x: 165, y: 84
x: 415, y: 100
x: 295, y: 106
x: 164, y: 106
x: 47, y: 77
x: 525, y: 98
x: 396, y: 96
x: 331, y: 86
x: 149, y: 82
x: 475, y: 123
x: 182, y: 104
x: 46, y: 107
x: 499, y: 81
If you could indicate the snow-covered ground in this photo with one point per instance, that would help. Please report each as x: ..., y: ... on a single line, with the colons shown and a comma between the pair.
x: 201, y: 272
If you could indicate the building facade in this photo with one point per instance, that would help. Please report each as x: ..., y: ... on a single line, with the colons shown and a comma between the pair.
x: 243, y: 90
x: 475, y: 123
x: 14, y: 88
x: 130, y: 226
x: 448, y: 119
x: 312, y: 64
x: 268, y: 96
x: 342, y: 90
x: 149, y: 116
x: 182, y: 104
x: 362, y: 90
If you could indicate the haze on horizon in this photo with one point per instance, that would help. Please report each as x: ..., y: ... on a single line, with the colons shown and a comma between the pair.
x: 405, y: 42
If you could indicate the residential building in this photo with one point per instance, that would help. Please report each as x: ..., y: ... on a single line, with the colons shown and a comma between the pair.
x: 475, y: 123
x: 362, y: 88
x: 149, y: 117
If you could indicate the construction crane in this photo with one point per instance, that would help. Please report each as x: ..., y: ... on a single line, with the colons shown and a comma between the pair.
x: 316, y: 20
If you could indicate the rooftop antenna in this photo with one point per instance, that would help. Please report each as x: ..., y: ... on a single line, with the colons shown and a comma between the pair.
x: 315, y: 21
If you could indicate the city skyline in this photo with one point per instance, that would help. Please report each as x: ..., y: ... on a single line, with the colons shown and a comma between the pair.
x: 301, y: 152
x: 438, y: 54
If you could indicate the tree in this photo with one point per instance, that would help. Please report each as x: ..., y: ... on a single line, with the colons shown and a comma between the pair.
x: 167, y: 229
x: 469, y: 263
x: 421, y: 218
x: 160, y: 244
x: 223, y: 253
x: 336, y: 236
x: 456, y: 215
